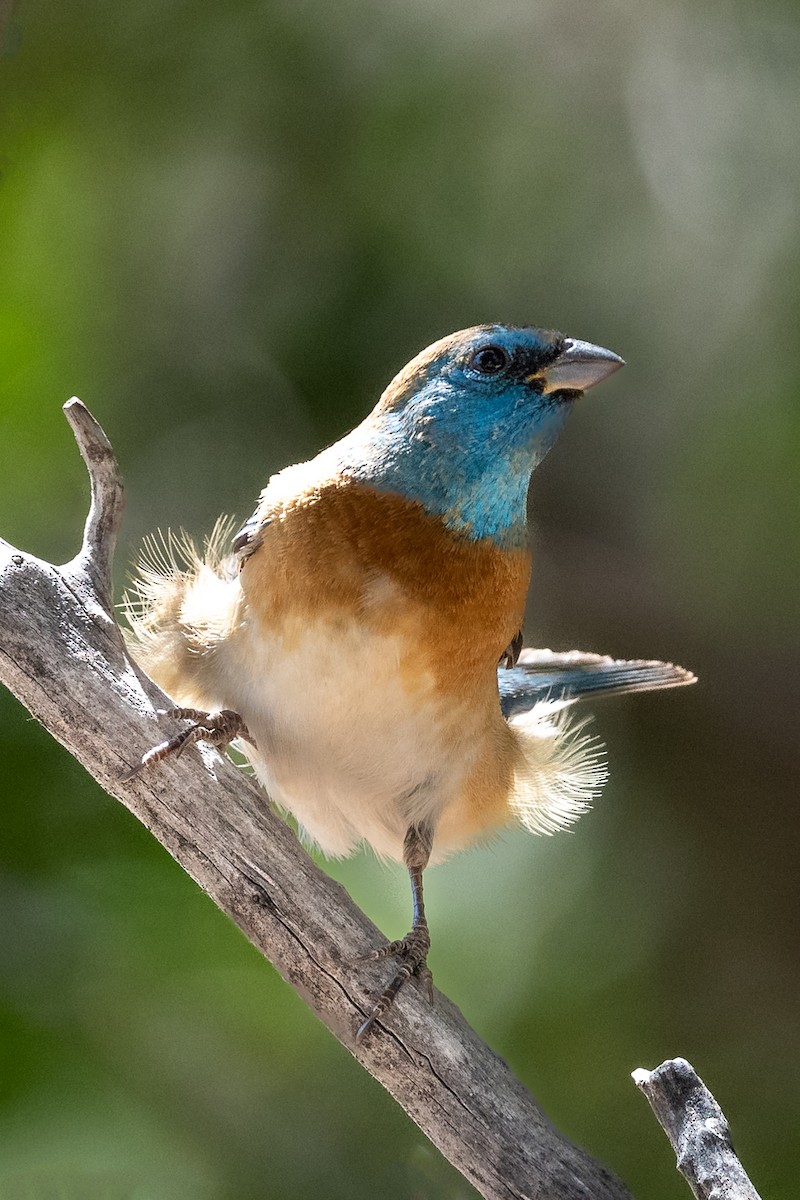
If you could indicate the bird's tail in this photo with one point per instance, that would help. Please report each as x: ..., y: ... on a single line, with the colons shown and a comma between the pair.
x: 561, y: 769
x: 564, y: 678
x: 181, y: 604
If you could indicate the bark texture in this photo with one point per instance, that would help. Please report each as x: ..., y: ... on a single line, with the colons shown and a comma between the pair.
x: 698, y: 1131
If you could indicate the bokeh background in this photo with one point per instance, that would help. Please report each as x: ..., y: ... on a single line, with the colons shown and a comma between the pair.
x: 225, y: 226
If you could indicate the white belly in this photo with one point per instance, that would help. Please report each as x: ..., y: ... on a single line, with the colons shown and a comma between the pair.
x: 353, y: 738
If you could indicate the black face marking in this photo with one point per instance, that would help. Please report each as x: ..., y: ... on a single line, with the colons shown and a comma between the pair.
x: 489, y: 360
x: 520, y: 363
x: 530, y: 360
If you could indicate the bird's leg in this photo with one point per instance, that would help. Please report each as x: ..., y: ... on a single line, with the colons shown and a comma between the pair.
x: 218, y: 728
x: 412, y: 950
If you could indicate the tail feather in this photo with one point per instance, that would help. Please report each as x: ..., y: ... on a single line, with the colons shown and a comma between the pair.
x: 542, y: 675
x: 561, y: 769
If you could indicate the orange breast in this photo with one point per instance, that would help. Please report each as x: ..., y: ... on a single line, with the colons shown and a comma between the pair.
x: 348, y: 551
x: 345, y: 553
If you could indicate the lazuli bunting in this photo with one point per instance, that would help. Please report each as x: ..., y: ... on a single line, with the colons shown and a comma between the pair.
x: 363, y: 640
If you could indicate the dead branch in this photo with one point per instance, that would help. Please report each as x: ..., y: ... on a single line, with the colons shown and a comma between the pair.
x: 62, y: 655
x: 697, y: 1129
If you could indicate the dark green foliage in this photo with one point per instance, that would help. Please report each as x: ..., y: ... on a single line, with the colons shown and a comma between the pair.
x: 225, y: 226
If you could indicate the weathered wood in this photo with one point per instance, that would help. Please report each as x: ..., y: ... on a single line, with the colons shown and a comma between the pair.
x: 62, y: 655
x: 697, y: 1129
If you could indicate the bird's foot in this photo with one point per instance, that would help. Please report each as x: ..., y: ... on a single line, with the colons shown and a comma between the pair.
x: 411, y: 953
x: 217, y: 728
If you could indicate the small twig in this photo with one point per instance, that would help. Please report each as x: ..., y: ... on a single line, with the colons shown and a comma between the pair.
x: 96, y: 555
x: 62, y: 654
x: 697, y: 1129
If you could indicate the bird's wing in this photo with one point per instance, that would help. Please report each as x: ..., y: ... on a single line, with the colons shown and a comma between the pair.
x: 282, y: 488
x: 544, y: 675
x: 250, y: 536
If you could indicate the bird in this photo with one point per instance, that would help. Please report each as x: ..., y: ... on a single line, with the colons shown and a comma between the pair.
x: 360, y: 636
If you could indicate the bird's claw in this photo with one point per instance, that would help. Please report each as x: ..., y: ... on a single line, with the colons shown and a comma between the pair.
x: 412, y: 953
x: 217, y: 728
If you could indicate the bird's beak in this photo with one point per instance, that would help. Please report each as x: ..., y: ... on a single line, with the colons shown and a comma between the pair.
x: 579, y: 366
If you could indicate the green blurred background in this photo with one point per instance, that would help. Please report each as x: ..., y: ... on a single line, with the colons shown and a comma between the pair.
x: 225, y: 226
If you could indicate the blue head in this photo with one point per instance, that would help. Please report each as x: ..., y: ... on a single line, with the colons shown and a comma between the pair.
x: 463, y: 425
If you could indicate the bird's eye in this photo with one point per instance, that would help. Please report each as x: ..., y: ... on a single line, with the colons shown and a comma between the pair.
x: 490, y: 360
